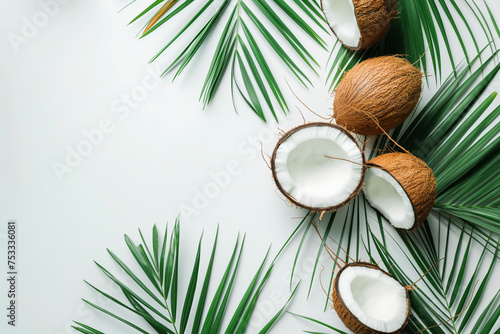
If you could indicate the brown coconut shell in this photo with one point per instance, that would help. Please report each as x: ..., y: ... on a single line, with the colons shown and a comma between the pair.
x: 415, y: 177
x: 349, y: 319
x: 377, y: 95
x: 290, y: 197
x: 374, y: 18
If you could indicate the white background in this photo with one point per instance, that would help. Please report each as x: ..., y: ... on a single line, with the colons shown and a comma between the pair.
x: 68, y: 77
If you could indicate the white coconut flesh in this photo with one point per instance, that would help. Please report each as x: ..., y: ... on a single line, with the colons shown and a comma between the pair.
x: 305, y: 171
x: 341, y: 17
x: 376, y: 299
x: 385, y: 194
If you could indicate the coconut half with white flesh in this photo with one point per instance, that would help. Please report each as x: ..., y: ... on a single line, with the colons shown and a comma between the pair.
x: 368, y: 300
x: 402, y: 188
x: 359, y: 24
x: 318, y: 166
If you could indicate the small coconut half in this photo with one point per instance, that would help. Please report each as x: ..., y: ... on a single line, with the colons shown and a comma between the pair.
x: 377, y: 95
x: 402, y: 188
x: 359, y: 24
x: 370, y: 301
x: 318, y: 166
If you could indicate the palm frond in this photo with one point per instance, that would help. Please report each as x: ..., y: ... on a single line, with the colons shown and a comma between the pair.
x: 238, y: 50
x: 418, y: 32
x: 455, y: 133
x: 346, y: 228
x: 153, y: 294
x: 450, y: 294
x: 455, y: 290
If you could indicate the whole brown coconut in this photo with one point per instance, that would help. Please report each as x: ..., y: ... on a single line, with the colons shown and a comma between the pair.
x: 377, y: 95
x: 347, y: 315
x: 415, y: 179
x: 359, y: 24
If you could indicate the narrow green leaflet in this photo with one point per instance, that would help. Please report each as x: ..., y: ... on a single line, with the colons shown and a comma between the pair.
x: 320, y: 323
x: 271, y: 322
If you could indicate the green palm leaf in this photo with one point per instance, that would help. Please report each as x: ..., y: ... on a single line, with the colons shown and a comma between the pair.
x: 456, y: 134
x: 450, y: 296
x: 467, y: 173
x: 421, y: 27
x: 345, y: 227
x: 238, y: 48
x: 451, y: 288
x: 199, y: 311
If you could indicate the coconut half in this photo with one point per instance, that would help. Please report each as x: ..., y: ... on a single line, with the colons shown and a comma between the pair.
x: 377, y: 95
x: 402, y: 188
x: 368, y: 300
x: 318, y: 166
x: 359, y: 24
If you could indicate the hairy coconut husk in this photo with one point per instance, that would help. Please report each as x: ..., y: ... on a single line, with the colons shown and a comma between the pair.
x: 415, y: 177
x: 349, y: 319
x: 377, y: 95
x: 293, y: 200
x: 374, y: 18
